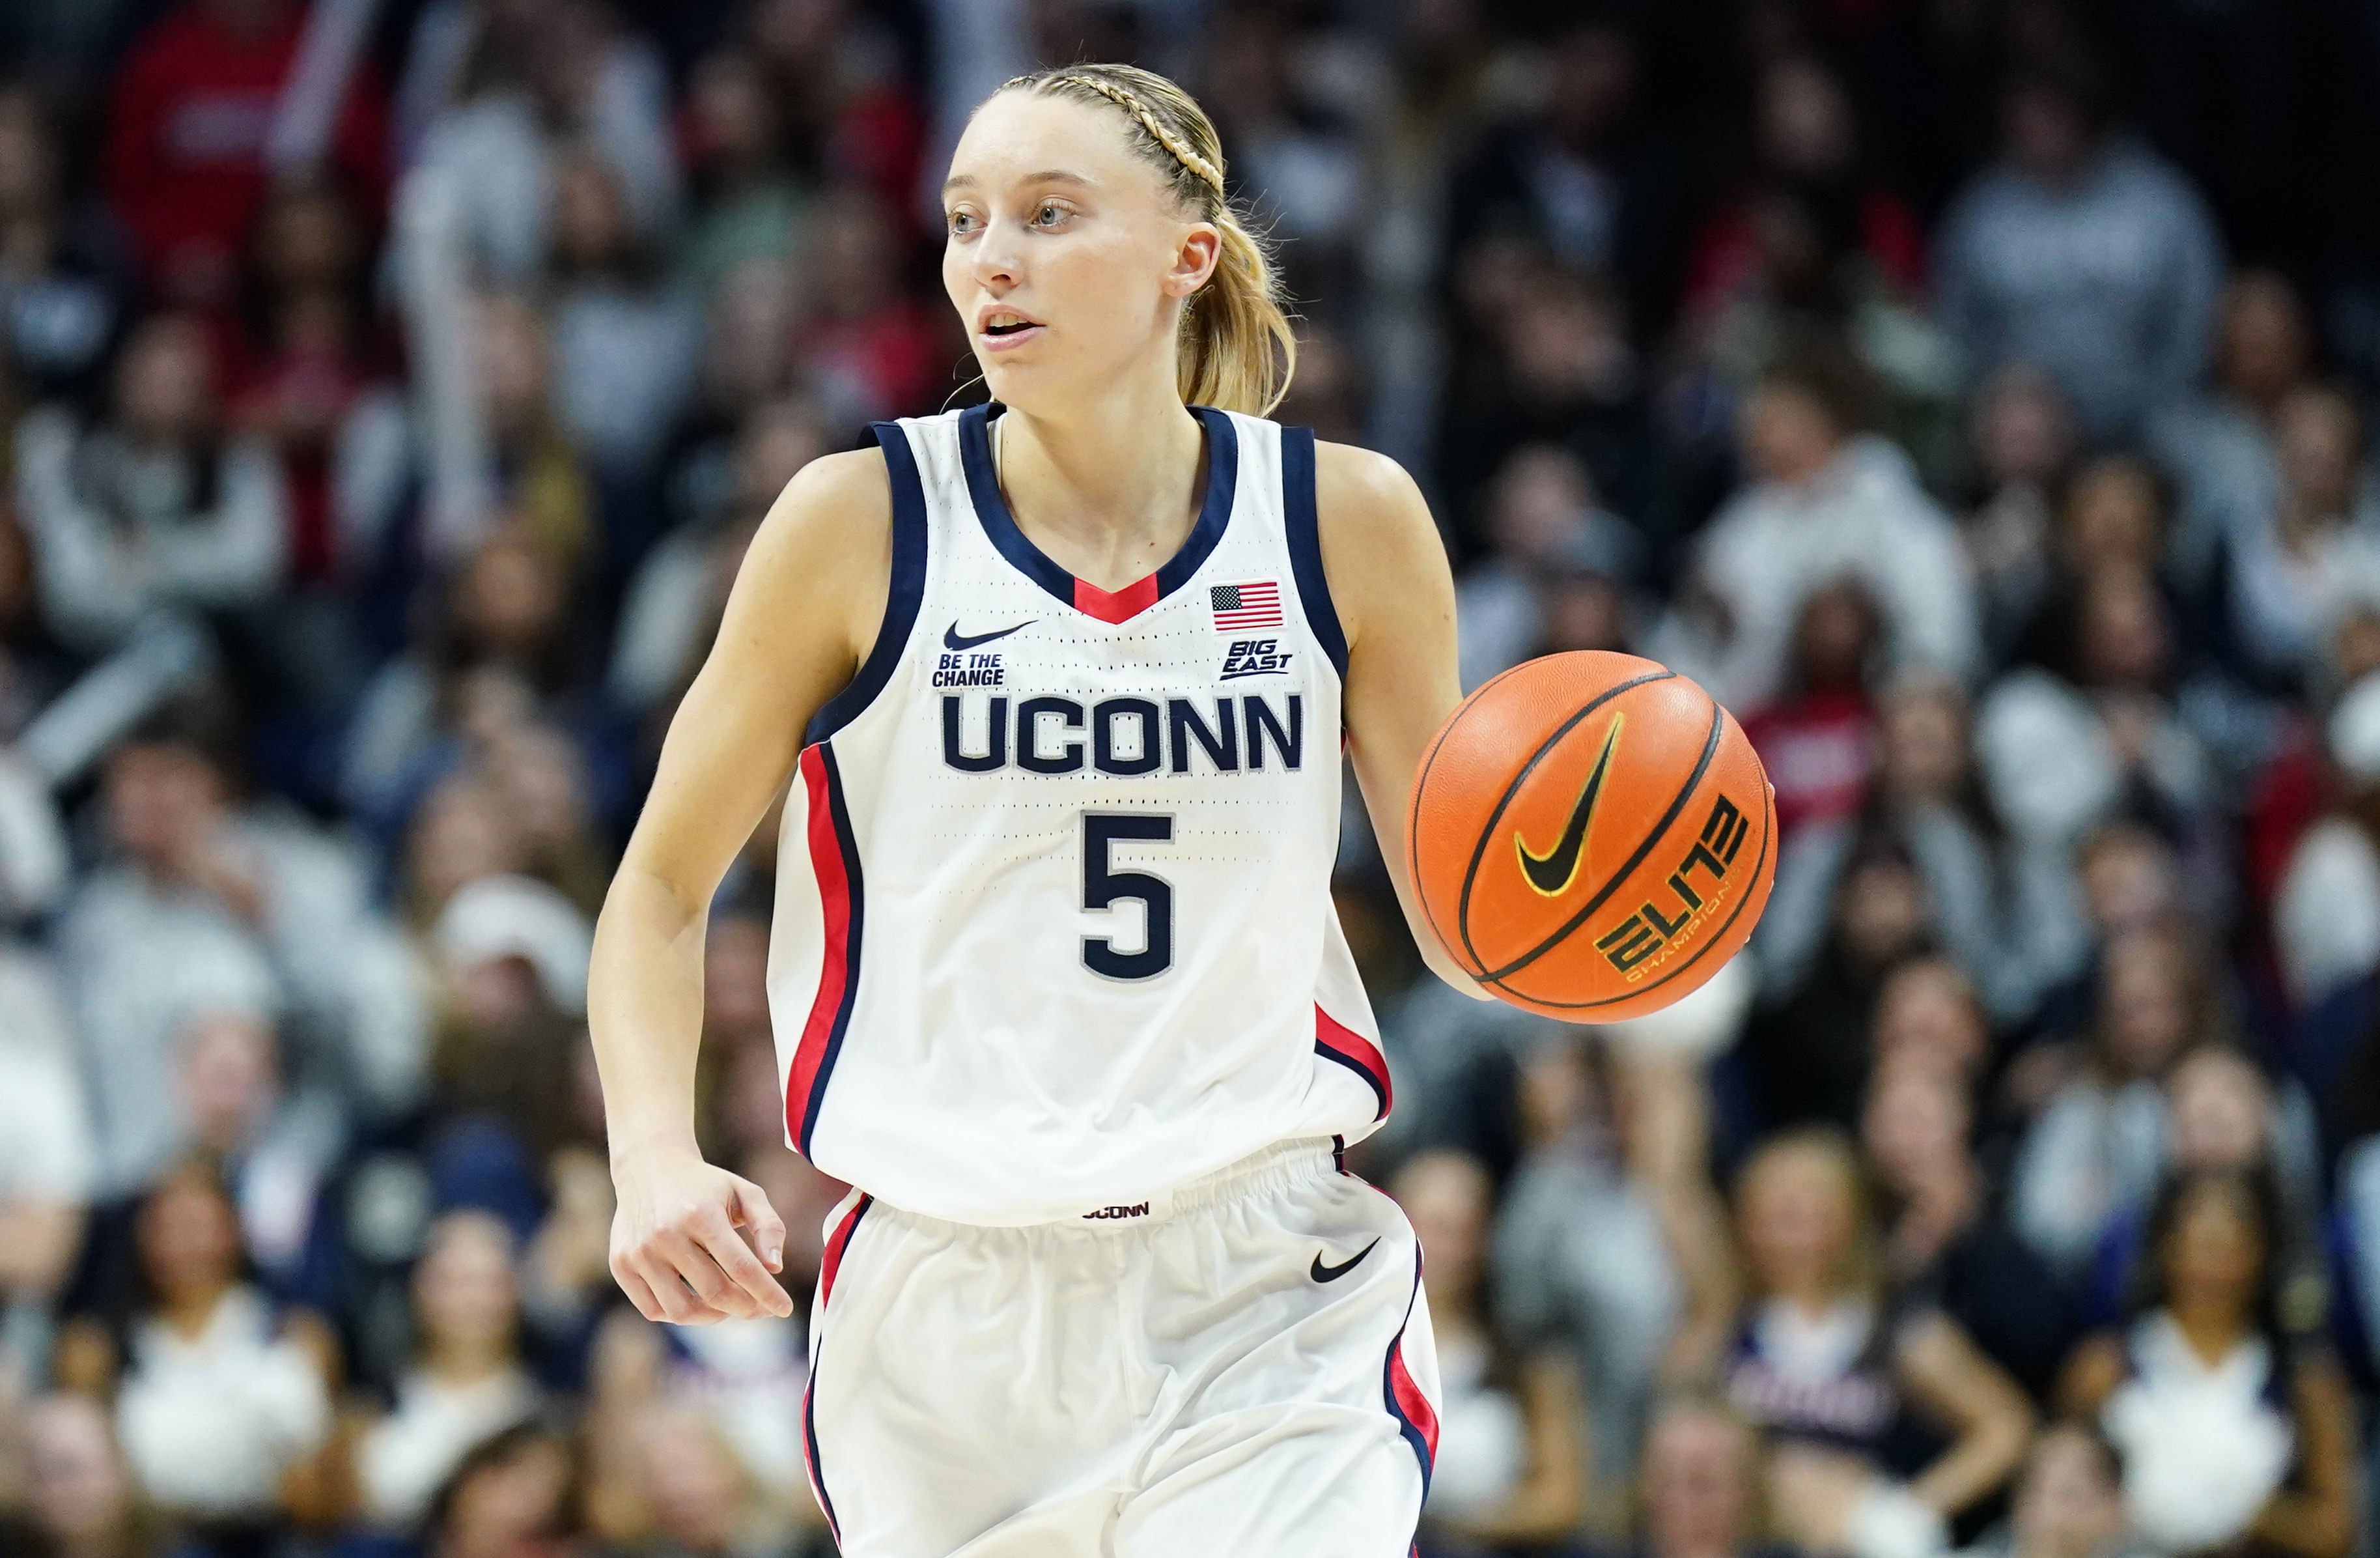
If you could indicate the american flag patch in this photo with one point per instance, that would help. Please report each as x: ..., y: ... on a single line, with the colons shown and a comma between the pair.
x: 1243, y: 608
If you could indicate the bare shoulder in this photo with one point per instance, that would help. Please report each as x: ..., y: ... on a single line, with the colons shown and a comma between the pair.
x: 1363, y: 491
x: 1381, y: 549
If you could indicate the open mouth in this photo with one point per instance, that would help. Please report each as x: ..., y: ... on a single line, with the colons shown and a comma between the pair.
x: 1001, y: 327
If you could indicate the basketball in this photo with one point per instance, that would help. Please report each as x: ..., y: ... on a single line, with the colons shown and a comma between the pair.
x: 1592, y: 836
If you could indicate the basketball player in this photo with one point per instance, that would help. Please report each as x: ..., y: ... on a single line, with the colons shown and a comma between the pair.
x: 1062, y: 684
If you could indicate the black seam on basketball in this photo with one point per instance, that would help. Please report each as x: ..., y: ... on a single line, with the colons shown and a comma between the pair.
x: 1487, y: 830
x: 1412, y: 813
x: 1767, y: 835
x: 1611, y: 882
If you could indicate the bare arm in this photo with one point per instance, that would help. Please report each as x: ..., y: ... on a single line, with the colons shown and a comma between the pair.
x: 1550, y: 1498
x: 2317, y: 1519
x: 1395, y: 596
x: 1952, y: 1380
x: 802, y: 614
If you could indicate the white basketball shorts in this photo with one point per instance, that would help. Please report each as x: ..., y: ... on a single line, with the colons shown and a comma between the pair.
x: 1243, y: 1367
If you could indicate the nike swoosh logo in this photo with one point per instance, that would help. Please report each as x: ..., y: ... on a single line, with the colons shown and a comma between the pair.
x: 1333, y: 1273
x: 1551, y: 873
x: 954, y: 640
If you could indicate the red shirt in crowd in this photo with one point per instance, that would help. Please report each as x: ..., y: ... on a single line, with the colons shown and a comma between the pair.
x: 190, y: 109
x: 1819, y: 751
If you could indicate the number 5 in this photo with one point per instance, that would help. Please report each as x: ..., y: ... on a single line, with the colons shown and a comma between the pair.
x: 1103, y: 888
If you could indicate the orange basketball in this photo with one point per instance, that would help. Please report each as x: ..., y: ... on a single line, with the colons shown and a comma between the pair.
x: 1592, y: 836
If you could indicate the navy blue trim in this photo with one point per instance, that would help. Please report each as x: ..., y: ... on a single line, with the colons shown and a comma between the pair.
x: 1305, y: 526
x: 1000, y: 525
x: 901, y: 599
x: 809, y: 1387
x: 1360, y: 1069
x: 818, y: 1468
x: 1339, y: 1154
x: 857, y: 891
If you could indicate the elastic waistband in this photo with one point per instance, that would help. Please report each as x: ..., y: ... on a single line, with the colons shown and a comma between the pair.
x: 1292, y: 1162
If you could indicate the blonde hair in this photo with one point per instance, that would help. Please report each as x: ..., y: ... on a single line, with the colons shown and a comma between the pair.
x: 1237, y: 349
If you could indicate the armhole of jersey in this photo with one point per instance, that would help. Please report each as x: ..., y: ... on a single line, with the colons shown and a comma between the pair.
x: 907, y: 589
x: 1305, y: 526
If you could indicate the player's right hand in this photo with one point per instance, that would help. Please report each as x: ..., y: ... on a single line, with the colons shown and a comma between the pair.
x: 692, y: 1243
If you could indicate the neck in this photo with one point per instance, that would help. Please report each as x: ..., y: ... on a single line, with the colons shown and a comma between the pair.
x: 1106, y: 487
x: 2212, y: 1326
x: 464, y: 1361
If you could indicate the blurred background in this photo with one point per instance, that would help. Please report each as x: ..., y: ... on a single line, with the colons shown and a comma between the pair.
x: 1974, y: 394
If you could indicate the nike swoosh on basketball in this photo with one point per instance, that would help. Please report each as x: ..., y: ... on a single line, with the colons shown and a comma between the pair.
x: 954, y: 640
x: 1333, y: 1273
x: 1552, y: 873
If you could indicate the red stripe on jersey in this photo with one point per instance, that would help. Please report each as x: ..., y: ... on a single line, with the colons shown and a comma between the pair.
x: 1120, y: 605
x: 1335, y: 1041
x: 1417, y: 1419
x: 831, y: 1260
x: 803, y: 1079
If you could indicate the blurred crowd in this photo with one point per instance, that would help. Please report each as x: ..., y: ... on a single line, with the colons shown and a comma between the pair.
x: 1974, y: 394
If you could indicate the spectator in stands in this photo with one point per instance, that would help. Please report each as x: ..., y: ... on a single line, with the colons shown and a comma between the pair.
x: 2022, y: 437
x: 212, y: 904
x: 206, y: 110
x: 1584, y: 177
x: 2326, y: 906
x: 151, y: 508
x: 46, y: 1164
x: 675, y: 598
x: 1544, y: 518
x: 1826, y: 502
x: 1836, y: 1366
x: 1699, y: 1488
x: 1943, y: 1237
x: 626, y: 343
x: 216, y: 1397
x: 1817, y: 738
x: 2081, y: 251
x: 465, y: 1383
x: 515, y: 1495
x: 1609, y: 1243
x: 2096, y: 1145
x: 870, y: 345
x: 1808, y: 1053
x: 79, y: 1495
x: 62, y: 281
x: 748, y: 204
x: 2298, y: 565
x: 2219, y: 443
x: 2069, y: 1502
x: 499, y: 89
x: 1512, y: 1465
x: 274, y: 1150
x: 2233, y: 1420
x: 495, y: 657
x: 309, y: 380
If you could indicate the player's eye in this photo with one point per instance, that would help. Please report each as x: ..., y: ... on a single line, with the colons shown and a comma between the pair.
x: 963, y: 223
x: 1049, y: 214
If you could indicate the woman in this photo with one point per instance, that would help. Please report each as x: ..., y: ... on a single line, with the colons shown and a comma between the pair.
x: 1515, y: 1468
x: 465, y: 1382
x: 220, y: 1400
x: 1844, y: 1380
x: 2238, y: 1430
x: 1059, y: 986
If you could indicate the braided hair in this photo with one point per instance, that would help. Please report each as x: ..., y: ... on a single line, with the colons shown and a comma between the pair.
x: 1238, y: 349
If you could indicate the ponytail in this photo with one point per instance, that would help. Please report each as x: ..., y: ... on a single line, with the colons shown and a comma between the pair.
x: 1237, y: 348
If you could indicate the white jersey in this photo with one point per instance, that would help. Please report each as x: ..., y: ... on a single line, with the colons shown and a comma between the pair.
x: 1053, y: 927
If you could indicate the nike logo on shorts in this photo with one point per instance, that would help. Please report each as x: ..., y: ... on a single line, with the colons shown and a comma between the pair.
x: 955, y: 640
x: 1333, y: 1273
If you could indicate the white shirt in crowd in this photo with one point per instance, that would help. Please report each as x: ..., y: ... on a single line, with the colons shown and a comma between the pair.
x: 212, y: 1422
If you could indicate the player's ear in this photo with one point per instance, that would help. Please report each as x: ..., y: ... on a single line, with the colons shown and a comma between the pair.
x: 1194, y: 258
